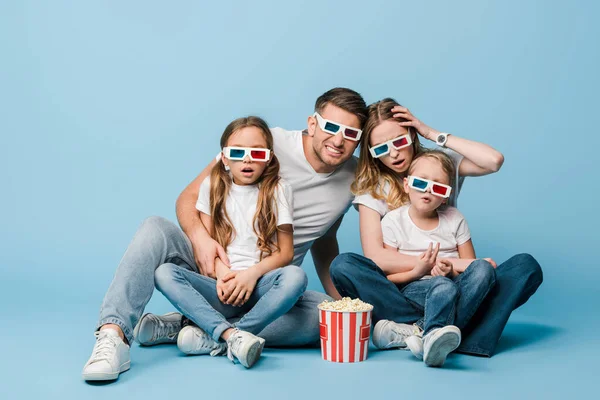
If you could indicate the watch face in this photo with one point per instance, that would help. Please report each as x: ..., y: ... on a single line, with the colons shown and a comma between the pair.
x: 440, y: 139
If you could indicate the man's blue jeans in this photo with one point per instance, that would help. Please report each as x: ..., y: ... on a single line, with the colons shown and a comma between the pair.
x: 159, y: 242
x: 481, y: 319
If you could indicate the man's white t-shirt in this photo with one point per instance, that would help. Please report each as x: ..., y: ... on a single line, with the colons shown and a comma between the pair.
x: 319, y: 199
x: 381, y: 206
x: 400, y: 231
x: 240, y: 205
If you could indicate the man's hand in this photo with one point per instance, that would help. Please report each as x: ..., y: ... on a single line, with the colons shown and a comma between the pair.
x: 245, y: 282
x: 443, y: 268
x: 206, y: 250
x: 426, y: 261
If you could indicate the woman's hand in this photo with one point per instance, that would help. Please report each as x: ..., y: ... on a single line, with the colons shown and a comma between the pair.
x: 245, y: 282
x: 423, y: 130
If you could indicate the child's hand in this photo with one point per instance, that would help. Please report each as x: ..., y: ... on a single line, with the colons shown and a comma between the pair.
x: 443, y: 268
x: 245, y: 282
x: 226, y: 286
x: 491, y: 262
x: 426, y: 261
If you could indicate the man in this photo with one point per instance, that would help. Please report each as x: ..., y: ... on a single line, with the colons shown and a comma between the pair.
x: 317, y: 163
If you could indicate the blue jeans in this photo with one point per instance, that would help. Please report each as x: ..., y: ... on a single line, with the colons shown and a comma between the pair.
x: 481, y: 315
x: 158, y: 241
x: 195, y: 296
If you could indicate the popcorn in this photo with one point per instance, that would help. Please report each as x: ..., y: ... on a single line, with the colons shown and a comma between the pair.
x: 345, y: 305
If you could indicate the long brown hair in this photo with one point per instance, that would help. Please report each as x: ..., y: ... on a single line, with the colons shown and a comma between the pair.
x: 264, y: 222
x: 372, y: 176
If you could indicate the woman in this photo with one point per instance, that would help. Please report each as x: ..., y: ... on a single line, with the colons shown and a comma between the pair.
x: 389, y: 142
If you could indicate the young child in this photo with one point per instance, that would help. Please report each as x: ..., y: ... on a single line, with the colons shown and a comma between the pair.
x: 247, y: 209
x: 431, y: 284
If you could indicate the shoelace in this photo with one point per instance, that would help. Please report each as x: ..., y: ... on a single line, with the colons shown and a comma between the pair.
x: 207, y: 343
x: 233, y: 344
x: 403, y: 332
x: 105, y: 347
x: 166, y: 329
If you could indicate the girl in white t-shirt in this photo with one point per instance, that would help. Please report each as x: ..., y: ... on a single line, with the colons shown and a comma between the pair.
x: 247, y: 209
x: 412, y: 230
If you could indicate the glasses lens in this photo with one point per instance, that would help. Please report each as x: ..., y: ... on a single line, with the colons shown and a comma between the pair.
x: 258, y: 154
x: 400, y: 142
x: 419, y: 184
x: 438, y: 189
x: 381, y: 150
x: 331, y: 127
x: 237, y: 153
x: 351, y: 133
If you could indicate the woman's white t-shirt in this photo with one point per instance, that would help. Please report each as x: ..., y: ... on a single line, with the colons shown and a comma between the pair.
x: 381, y: 206
x: 241, y: 203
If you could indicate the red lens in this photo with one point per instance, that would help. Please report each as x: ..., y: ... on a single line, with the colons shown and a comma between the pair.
x: 400, y: 142
x: 259, y: 154
x: 351, y: 133
x: 441, y: 190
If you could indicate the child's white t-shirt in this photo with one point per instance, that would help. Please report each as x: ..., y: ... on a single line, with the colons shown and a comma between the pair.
x: 400, y: 231
x: 381, y: 206
x: 241, y: 203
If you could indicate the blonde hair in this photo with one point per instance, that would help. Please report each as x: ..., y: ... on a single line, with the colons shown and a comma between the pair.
x: 264, y: 222
x: 444, y: 160
x: 372, y: 176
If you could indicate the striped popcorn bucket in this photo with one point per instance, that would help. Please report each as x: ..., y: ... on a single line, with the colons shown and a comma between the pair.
x: 344, y: 335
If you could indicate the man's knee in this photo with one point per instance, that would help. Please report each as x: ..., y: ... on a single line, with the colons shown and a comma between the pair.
x: 344, y: 265
x: 524, y: 267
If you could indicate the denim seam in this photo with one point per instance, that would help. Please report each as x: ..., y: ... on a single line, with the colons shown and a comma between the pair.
x: 120, y: 324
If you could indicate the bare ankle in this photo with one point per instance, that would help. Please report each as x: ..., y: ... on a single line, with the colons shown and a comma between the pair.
x: 116, y: 328
x: 225, y: 335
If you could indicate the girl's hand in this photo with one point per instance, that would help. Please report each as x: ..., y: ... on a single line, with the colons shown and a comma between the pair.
x: 426, y: 261
x: 422, y: 129
x: 226, y: 286
x: 443, y: 268
x: 245, y: 282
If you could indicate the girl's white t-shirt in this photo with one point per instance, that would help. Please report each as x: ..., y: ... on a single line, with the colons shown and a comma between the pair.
x: 400, y: 231
x: 241, y: 203
x: 381, y: 206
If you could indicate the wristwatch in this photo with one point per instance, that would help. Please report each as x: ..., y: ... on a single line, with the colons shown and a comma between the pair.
x: 441, y: 139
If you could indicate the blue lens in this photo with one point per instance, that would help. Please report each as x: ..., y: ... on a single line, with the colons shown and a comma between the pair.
x: 331, y: 127
x: 419, y: 184
x: 381, y: 149
x: 237, y: 153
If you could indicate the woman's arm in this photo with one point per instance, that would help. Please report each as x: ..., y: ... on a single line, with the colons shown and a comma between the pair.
x: 371, y: 238
x: 479, y: 158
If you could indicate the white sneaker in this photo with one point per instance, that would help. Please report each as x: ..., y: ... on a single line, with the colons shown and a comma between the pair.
x: 156, y: 329
x: 194, y: 340
x: 389, y: 334
x: 109, y: 358
x: 415, y: 344
x: 438, y: 343
x: 245, y: 347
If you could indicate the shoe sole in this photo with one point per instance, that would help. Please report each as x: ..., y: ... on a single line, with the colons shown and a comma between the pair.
x: 414, y: 346
x: 253, y: 354
x: 106, y: 376
x: 136, y: 332
x: 376, y: 336
x: 445, y: 344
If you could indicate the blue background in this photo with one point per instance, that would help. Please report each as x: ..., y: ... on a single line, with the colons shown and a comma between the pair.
x: 109, y: 109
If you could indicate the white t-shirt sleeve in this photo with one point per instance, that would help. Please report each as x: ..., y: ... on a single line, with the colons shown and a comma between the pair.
x: 463, y: 234
x: 285, y: 204
x: 369, y: 201
x: 203, y: 203
x: 389, y: 231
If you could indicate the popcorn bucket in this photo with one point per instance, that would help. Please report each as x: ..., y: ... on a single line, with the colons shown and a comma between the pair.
x: 344, y: 335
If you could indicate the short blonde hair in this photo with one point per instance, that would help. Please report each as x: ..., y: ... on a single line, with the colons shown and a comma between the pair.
x: 444, y: 160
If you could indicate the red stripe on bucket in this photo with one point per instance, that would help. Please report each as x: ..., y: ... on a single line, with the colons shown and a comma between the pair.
x: 323, y: 332
x: 334, y: 334
x: 341, y: 336
x: 352, y: 336
x: 362, y: 342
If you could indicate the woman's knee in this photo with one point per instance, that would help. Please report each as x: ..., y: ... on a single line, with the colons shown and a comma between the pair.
x: 294, y: 278
x: 482, y: 272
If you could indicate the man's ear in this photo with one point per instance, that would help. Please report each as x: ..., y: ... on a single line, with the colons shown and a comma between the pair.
x: 312, y: 125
